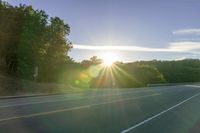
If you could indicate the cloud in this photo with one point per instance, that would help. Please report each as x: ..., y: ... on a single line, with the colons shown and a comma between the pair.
x: 121, y: 48
x: 184, y: 46
x: 193, y: 31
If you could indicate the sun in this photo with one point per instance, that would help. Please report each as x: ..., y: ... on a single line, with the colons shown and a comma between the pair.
x: 109, y: 59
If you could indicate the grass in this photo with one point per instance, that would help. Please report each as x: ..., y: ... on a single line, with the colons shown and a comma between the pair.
x: 13, y: 86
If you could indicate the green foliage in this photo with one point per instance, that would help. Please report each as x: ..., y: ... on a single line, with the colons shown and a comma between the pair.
x: 55, y: 48
x: 94, y: 60
x: 146, y: 74
x: 126, y: 76
x: 149, y: 72
x: 30, y: 43
x: 29, y: 40
x: 178, y: 71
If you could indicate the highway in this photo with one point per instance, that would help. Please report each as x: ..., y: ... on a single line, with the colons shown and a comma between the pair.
x: 162, y: 109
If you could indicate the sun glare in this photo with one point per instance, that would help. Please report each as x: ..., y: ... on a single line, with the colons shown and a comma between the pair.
x: 109, y: 59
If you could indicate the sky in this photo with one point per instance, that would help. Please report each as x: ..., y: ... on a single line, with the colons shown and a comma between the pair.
x: 132, y: 29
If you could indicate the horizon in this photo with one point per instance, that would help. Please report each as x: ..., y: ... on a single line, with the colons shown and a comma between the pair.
x: 140, y: 30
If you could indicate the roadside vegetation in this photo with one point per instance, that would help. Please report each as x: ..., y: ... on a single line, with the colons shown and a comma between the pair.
x: 34, y: 47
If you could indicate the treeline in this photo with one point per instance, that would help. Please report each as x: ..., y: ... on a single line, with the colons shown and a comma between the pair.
x: 94, y: 74
x: 137, y: 74
x: 32, y: 44
x: 127, y: 76
x: 181, y: 71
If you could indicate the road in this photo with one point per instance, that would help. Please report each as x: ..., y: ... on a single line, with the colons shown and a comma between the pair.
x: 163, y: 109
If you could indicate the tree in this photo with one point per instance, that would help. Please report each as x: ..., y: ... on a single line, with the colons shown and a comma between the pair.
x: 29, y: 39
x: 56, y: 48
x: 94, y: 60
x: 28, y: 51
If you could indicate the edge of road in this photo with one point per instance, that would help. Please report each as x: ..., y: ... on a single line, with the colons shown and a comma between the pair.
x: 173, y: 84
x: 62, y: 93
x: 31, y: 95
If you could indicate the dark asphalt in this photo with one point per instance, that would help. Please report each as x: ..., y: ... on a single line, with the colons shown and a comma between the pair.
x: 106, y: 111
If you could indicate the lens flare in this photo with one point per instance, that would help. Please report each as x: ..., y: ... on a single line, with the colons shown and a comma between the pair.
x: 109, y: 59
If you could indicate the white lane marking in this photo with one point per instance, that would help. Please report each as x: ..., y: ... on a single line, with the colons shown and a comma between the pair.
x: 157, y: 115
x: 196, y: 86
x: 75, y: 108
x: 43, y: 113
x: 104, y: 95
x: 61, y: 100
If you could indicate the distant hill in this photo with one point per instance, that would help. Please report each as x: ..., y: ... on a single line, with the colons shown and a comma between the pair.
x: 180, y: 71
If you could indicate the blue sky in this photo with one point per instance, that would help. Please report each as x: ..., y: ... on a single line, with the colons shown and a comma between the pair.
x: 136, y: 29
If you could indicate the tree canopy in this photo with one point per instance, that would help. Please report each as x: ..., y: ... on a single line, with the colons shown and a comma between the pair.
x: 29, y: 39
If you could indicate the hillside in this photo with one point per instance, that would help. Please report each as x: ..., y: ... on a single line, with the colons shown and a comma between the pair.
x: 13, y: 86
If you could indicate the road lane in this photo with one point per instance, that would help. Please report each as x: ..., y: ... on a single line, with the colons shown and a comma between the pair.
x: 76, y: 108
x: 74, y: 96
x: 40, y: 107
x: 112, y: 117
x: 159, y: 114
x: 183, y: 119
x: 80, y: 96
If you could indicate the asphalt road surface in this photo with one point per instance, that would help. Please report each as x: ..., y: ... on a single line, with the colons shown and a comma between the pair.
x: 163, y: 109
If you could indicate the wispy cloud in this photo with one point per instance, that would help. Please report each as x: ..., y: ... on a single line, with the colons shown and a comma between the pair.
x: 121, y: 48
x: 187, y: 46
x: 184, y: 46
x: 192, y: 31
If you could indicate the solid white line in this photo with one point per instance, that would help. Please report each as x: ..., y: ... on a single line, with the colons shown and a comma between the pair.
x: 104, y: 95
x: 196, y: 86
x: 61, y: 100
x: 75, y: 108
x: 43, y: 113
x: 157, y: 115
